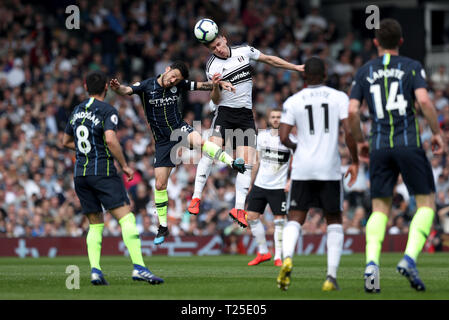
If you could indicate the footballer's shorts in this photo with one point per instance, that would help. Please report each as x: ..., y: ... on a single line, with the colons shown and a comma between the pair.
x: 412, y: 163
x: 235, y: 125
x: 166, y: 151
x: 259, y: 197
x: 324, y: 194
x: 95, y: 191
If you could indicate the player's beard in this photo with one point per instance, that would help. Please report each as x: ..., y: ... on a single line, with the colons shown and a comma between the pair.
x: 164, y: 84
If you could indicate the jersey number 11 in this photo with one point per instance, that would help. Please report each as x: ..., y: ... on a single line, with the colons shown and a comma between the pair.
x: 326, y: 117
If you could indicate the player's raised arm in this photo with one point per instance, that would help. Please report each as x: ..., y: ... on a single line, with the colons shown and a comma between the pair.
x: 215, y: 94
x: 119, y: 88
x: 430, y: 114
x: 116, y: 150
x: 280, y: 63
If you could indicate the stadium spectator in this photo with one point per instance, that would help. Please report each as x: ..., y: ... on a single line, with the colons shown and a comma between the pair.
x: 440, y: 78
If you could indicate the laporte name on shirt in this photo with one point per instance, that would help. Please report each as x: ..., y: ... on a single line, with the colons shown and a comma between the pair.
x: 387, y: 73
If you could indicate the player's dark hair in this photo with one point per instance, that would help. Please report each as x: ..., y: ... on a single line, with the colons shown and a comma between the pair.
x: 207, y: 43
x: 315, y: 70
x: 389, y: 33
x: 182, y: 67
x: 96, y: 82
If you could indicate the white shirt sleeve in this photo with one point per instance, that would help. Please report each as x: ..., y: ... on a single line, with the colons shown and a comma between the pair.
x: 259, y: 141
x: 288, y: 116
x: 252, y: 52
x: 344, y: 105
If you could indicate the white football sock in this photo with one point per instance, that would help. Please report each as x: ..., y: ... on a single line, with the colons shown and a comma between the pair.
x: 242, y: 183
x: 334, y: 248
x: 202, y: 173
x: 278, y: 229
x: 258, y: 231
x: 290, y: 237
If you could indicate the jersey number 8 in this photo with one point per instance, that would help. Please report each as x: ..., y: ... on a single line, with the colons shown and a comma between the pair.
x: 82, y: 134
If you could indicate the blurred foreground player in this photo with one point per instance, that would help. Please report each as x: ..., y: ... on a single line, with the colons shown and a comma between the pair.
x: 91, y: 132
x: 316, y: 178
x: 390, y: 85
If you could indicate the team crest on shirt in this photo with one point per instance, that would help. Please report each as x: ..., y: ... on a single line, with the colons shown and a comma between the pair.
x: 217, y: 128
x: 423, y: 73
x: 136, y: 84
x: 173, y: 89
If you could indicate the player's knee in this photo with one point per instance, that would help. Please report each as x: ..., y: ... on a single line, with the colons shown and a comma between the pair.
x: 427, y: 200
x: 333, y: 217
x: 298, y: 216
x: 161, y: 185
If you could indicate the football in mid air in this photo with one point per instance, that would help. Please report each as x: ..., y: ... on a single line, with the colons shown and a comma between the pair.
x: 205, y: 30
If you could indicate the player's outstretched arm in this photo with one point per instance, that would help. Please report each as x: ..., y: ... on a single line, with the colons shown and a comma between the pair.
x: 116, y: 150
x: 427, y: 108
x: 280, y: 63
x: 119, y: 88
x: 284, y: 132
x: 68, y: 141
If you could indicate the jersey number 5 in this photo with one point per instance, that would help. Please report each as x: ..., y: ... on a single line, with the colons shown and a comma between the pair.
x: 82, y: 134
x: 394, y: 102
x: 326, y: 117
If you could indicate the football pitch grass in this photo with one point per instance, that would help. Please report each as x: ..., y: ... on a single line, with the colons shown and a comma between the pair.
x: 225, y: 277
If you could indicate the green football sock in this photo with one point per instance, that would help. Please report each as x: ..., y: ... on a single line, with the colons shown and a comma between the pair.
x: 215, y: 152
x: 419, y: 231
x: 93, y: 240
x: 375, y: 233
x: 161, y: 202
x: 131, y: 238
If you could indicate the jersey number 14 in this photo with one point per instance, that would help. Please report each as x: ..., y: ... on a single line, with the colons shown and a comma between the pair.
x: 394, y: 102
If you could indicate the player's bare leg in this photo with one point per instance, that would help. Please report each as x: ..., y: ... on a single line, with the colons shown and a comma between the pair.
x: 258, y: 231
x: 335, y: 238
x: 417, y: 236
x: 375, y: 233
x: 292, y: 232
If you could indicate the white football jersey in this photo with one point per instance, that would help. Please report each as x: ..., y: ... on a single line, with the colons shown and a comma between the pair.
x: 235, y: 69
x: 274, y: 161
x: 316, y: 111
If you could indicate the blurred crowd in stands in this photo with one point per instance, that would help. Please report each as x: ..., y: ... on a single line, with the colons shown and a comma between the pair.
x: 42, y: 64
